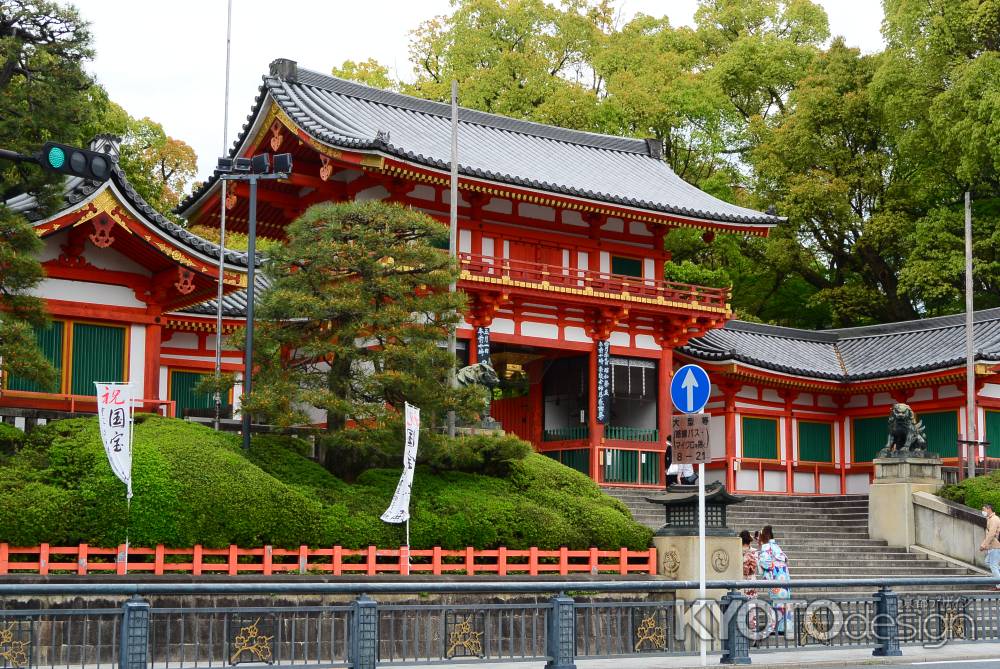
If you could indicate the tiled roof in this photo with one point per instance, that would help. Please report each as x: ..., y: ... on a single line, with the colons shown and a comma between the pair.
x: 852, y: 354
x: 234, y: 305
x: 616, y: 170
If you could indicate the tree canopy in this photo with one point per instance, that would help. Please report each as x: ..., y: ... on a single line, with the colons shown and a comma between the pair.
x: 867, y: 155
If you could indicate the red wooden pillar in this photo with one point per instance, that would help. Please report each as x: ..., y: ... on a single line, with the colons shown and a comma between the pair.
x: 729, y: 389
x: 151, y: 369
x: 594, y: 428
x: 789, y: 397
x: 663, y: 409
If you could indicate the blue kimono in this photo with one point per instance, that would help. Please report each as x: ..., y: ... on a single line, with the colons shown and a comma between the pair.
x: 774, y: 567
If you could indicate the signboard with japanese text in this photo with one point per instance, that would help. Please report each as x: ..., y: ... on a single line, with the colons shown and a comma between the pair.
x: 399, y: 509
x: 690, y: 439
x: 603, y: 380
x: 483, y: 345
x: 114, y: 411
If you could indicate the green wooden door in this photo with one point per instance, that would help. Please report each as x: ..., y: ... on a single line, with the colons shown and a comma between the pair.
x: 182, y: 391
x: 50, y: 341
x: 870, y: 435
x: 993, y: 434
x: 941, y: 428
x: 98, y: 355
x: 815, y: 442
x: 621, y: 466
x: 760, y: 438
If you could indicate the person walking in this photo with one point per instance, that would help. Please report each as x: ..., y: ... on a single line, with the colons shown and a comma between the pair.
x: 668, y: 460
x: 774, y: 567
x: 750, y: 574
x: 991, y: 542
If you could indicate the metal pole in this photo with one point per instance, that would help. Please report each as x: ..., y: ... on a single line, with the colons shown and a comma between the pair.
x: 453, y: 237
x: 222, y: 228
x: 971, y: 438
x: 251, y: 266
x: 703, y: 648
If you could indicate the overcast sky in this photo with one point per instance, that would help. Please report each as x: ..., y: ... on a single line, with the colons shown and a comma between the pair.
x: 166, y: 60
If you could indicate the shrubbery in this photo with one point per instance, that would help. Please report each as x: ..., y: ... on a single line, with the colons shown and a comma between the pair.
x: 975, y: 492
x: 193, y: 485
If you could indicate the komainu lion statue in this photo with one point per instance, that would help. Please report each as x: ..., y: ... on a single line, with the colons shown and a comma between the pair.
x: 906, y: 433
x: 483, y: 374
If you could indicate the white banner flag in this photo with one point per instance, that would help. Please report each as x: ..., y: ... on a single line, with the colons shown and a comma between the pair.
x: 114, y: 411
x: 399, y: 510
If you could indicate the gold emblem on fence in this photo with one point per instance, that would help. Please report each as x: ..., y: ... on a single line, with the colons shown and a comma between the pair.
x: 464, y: 637
x: 15, y: 653
x: 651, y: 633
x: 816, y: 627
x: 954, y: 623
x: 250, y: 640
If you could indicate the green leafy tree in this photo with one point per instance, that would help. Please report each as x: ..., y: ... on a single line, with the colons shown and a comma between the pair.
x: 44, y: 94
x: 369, y: 72
x: 355, y: 319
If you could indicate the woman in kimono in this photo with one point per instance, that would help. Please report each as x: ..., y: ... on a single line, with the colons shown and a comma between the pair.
x: 750, y: 574
x: 774, y: 567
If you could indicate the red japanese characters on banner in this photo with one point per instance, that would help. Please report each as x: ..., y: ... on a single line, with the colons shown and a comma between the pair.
x: 114, y: 411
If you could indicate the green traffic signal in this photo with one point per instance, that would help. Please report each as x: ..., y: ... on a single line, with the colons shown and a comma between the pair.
x: 56, y: 157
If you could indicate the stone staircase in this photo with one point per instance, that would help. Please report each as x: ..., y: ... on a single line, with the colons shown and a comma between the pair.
x: 824, y: 537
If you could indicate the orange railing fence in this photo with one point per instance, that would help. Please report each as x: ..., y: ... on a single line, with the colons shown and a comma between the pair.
x: 335, y: 560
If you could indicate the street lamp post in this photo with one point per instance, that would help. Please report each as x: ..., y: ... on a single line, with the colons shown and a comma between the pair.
x: 252, y: 170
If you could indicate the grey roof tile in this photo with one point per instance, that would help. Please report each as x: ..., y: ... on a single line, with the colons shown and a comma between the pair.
x: 867, y: 352
x: 617, y: 170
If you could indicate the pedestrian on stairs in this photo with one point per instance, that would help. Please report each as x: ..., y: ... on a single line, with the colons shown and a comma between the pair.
x: 750, y: 574
x: 774, y: 567
x: 991, y: 542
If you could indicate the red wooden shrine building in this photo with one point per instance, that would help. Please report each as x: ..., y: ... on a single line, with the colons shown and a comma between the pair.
x: 561, y: 250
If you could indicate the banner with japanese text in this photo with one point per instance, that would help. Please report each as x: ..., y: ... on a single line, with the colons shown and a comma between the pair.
x: 603, y: 380
x: 399, y: 509
x: 114, y: 411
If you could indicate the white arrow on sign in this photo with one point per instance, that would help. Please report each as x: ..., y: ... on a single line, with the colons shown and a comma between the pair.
x: 689, y: 384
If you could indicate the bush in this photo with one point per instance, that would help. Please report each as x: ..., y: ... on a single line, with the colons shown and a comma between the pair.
x: 975, y: 492
x: 193, y: 485
x: 11, y: 439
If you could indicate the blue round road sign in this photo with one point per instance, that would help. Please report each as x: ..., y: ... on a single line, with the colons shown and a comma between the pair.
x: 690, y: 388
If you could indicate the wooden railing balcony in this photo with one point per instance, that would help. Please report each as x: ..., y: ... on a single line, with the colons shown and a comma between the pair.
x: 589, y: 282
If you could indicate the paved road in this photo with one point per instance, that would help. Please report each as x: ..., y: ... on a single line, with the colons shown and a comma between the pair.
x: 954, y: 656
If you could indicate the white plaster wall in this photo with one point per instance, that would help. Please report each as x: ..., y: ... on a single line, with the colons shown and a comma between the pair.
x: 186, y: 340
x: 446, y: 198
x: 748, y: 392
x: 574, y: 218
x: 826, y: 402
x: 770, y: 395
x: 565, y: 259
x: 747, y: 480
x: 717, y: 437
x: 529, y: 210
x: 648, y: 269
x: 715, y: 476
x: 639, y: 229
x: 804, y: 482
x: 488, y: 247
x: 857, y: 484
x: 465, y: 241
x: 113, y: 260
x: 502, y: 325
x: 922, y: 395
x: 422, y: 192
x: 829, y: 484
x: 544, y: 330
x: 614, y: 225
x: 87, y: 293
x: 498, y: 205
x: 784, y: 448
x: 881, y: 399
x: 857, y: 401
x: 775, y: 482
x: 646, y: 341
x: 573, y: 333
x: 605, y: 262
x: 620, y: 339
x: 804, y: 398
x: 847, y: 440
x: 990, y: 390
x: 373, y: 193
x: 163, y: 382
x: 582, y: 260
x: 949, y: 391
x: 137, y: 359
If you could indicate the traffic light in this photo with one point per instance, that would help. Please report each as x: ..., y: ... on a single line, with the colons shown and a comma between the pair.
x: 75, y: 162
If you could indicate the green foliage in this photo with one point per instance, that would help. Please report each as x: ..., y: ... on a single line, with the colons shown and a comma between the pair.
x: 975, y: 492
x: 193, y: 485
x: 360, y: 293
x: 11, y: 439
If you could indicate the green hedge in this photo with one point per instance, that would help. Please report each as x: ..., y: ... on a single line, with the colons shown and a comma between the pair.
x: 193, y: 485
x: 975, y: 492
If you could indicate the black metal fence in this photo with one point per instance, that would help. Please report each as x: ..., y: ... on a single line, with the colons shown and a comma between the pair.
x: 600, y: 619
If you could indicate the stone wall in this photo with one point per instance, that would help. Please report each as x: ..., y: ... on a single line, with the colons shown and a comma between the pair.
x: 948, y: 528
